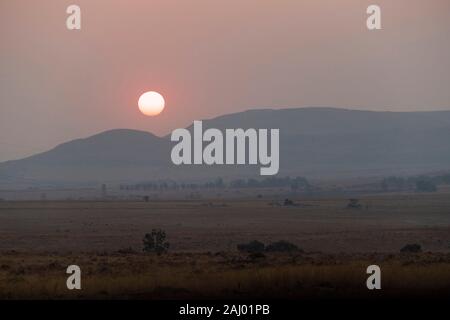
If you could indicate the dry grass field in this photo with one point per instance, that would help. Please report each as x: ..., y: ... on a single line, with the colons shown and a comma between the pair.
x: 38, y: 240
x: 223, y: 276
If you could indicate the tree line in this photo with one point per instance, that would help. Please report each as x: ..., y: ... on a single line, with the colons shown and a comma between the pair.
x: 297, y: 183
x: 416, y: 183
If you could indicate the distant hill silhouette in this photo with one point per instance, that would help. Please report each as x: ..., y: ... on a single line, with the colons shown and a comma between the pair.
x: 314, y: 142
x: 115, y: 155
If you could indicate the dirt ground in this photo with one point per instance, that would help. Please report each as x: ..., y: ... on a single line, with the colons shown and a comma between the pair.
x: 38, y: 240
x: 382, y: 224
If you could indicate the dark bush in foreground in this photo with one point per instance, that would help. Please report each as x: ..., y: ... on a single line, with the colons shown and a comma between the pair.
x: 411, y: 248
x: 251, y: 247
x: 156, y: 242
x: 282, y: 246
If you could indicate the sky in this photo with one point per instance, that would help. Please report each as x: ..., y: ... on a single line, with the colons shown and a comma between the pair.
x: 209, y: 58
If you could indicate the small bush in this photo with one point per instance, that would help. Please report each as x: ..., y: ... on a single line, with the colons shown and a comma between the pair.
x: 282, y: 246
x: 251, y: 247
x: 411, y: 248
x: 288, y: 202
x: 156, y: 241
x: 354, y: 204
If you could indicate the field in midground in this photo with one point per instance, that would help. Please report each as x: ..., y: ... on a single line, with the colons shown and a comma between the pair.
x: 38, y: 240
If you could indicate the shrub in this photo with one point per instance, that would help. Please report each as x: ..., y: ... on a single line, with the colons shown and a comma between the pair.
x: 411, y: 248
x: 288, y: 202
x: 156, y: 241
x: 251, y: 247
x: 282, y: 246
x: 354, y: 203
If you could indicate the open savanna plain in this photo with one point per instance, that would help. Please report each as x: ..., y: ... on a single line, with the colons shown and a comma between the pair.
x: 38, y: 240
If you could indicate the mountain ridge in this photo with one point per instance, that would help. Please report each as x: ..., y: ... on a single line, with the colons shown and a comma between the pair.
x: 314, y: 141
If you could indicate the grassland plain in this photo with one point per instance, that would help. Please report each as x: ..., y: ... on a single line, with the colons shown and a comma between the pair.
x: 223, y: 275
x: 38, y: 240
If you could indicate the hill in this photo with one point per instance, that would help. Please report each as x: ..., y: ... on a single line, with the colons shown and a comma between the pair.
x: 314, y: 142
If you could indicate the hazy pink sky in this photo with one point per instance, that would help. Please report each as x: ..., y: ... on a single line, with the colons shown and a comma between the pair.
x: 210, y: 58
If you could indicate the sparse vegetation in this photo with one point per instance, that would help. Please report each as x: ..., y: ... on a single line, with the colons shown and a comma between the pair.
x: 257, y: 247
x: 425, y: 185
x: 282, y: 246
x: 254, y: 246
x: 416, y: 183
x: 354, y: 204
x: 30, y: 276
x: 95, y: 236
x: 295, y: 184
x: 156, y: 242
x: 411, y: 248
x: 288, y: 202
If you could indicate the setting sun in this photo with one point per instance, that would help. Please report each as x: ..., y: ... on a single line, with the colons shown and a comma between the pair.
x: 151, y: 103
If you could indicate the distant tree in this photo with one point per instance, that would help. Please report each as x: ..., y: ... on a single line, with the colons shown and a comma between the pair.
x: 354, y: 204
x: 300, y: 183
x: 219, y: 183
x: 104, y: 192
x: 288, y: 202
x: 445, y: 179
x: 239, y: 183
x: 273, y: 182
x: 424, y: 185
x: 253, y: 183
x: 156, y: 242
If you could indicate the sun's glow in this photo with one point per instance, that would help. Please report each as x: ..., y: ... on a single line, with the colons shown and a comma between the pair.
x: 151, y: 103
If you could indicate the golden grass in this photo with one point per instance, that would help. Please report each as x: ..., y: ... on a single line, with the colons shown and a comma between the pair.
x: 226, y: 275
